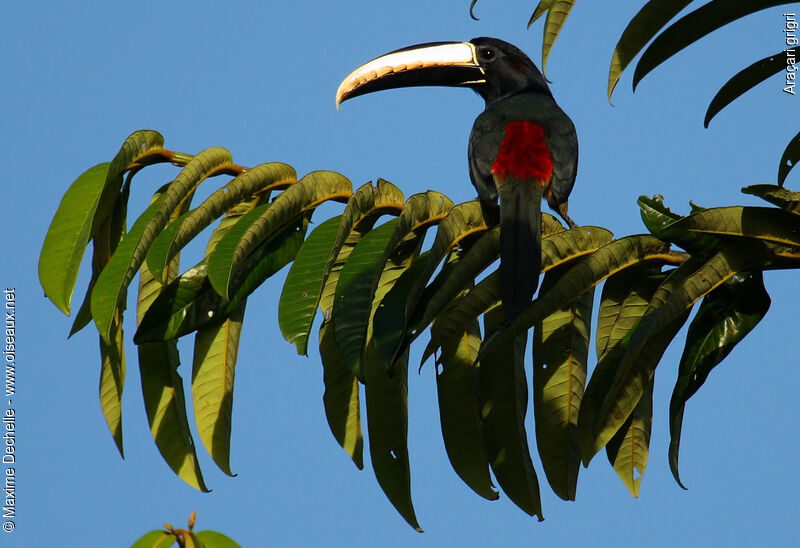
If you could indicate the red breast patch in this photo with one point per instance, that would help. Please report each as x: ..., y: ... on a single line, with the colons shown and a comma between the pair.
x: 524, y: 153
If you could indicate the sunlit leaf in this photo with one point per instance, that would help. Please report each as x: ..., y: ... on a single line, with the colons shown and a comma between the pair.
x: 214, y: 539
x: 216, y: 348
x: 663, y: 224
x: 557, y: 14
x: 155, y: 539
x: 304, y: 283
x: 112, y: 380
x: 781, y: 197
x: 725, y: 317
x: 109, y: 291
x: 765, y: 223
x: 258, y: 180
x: 560, y: 354
x: 541, y: 8
x: 629, y: 449
x: 355, y: 292
x: 67, y: 236
x: 162, y: 388
x: 312, y: 190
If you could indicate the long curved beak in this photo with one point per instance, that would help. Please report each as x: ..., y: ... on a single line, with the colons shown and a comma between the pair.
x: 431, y: 64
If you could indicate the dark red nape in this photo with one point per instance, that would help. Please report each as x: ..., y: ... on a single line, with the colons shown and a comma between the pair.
x: 524, y: 153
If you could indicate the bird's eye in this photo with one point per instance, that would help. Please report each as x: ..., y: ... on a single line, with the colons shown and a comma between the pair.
x: 488, y: 54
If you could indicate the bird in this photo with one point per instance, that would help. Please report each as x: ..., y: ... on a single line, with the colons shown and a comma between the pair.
x: 522, y: 147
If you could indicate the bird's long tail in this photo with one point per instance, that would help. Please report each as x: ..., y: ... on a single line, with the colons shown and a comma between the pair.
x: 520, y: 244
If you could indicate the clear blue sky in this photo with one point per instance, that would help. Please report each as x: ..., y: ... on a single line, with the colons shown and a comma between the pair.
x: 259, y: 78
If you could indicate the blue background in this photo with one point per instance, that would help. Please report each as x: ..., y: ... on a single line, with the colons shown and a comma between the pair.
x: 259, y: 78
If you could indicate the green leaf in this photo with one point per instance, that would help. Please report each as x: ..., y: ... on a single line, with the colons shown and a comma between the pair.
x: 187, y: 304
x: 641, y: 29
x: 258, y: 180
x: 387, y: 424
x: 765, y: 223
x: 112, y: 352
x: 781, y: 197
x: 374, y: 267
x: 68, y: 234
x: 305, y: 195
x: 743, y: 81
x: 557, y: 249
x: 692, y: 27
x: 155, y: 539
x: 460, y: 411
x: 83, y: 208
x: 112, y: 380
x: 216, y: 348
x: 190, y: 303
x: 162, y: 389
x: 789, y: 159
x: 671, y: 304
x: 557, y: 14
x: 341, y: 397
x: 363, y: 209
x: 540, y: 9
x: 388, y: 324
x: 214, y: 539
x: 504, y: 392
x: 725, y: 317
x: 355, y: 292
x: 663, y: 224
x: 267, y: 259
x: 109, y: 291
x: 304, y: 283
x: 453, y: 280
x: 628, y: 450
x: 560, y: 353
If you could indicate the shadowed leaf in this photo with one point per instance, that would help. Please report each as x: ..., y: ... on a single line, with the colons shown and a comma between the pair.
x: 504, y: 392
x: 743, y: 81
x: 693, y: 26
x: 789, y: 159
x: 460, y: 411
x: 641, y: 29
x: 671, y: 303
x: 387, y: 424
x: 724, y: 318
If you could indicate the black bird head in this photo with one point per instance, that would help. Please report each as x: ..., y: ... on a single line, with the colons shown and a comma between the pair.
x: 493, y: 68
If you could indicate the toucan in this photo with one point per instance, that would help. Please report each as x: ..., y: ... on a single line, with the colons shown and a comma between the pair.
x: 522, y: 146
